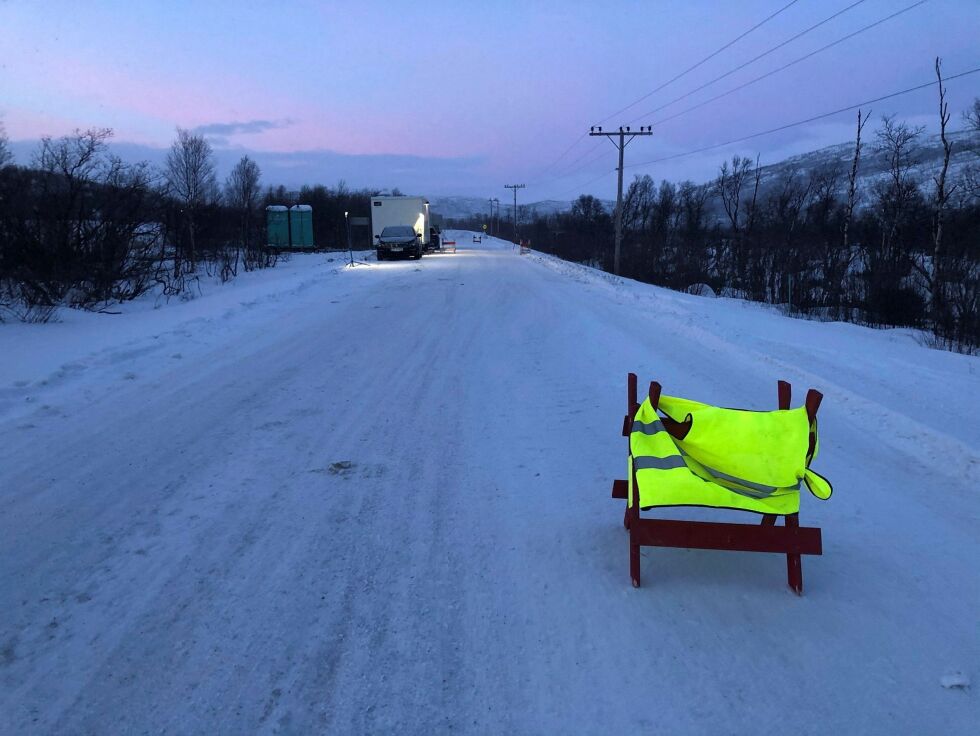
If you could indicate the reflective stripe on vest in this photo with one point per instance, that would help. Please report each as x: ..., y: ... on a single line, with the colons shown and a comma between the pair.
x: 756, y: 490
x: 647, y: 462
x: 648, y: 428
x: 749, y: 489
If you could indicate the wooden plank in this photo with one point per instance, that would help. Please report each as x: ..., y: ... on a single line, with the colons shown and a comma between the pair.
x: 735, y: 537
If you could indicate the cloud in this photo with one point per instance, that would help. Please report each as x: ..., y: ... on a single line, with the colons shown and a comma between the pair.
x: 250, y: 127
x: 417, y: 174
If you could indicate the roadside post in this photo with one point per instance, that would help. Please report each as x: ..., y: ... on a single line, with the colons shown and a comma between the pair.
x: 350, y: 248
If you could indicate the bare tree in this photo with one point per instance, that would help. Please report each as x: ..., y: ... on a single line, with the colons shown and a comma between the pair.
x: 64, y: 227
x: 242, y: 192
x: 5, y: 154
x: 971, y: 116
x: 191, y: 178
x: 79, y: 230
x: 889, y: 297
x: 753, y: 203
x: 942, y: 198
x: 637, y: 203
x: 971, y: 176
x: 694, y: 198
x: 899, y: 189
x: 588, y: 209
x: 242, y: 185
x: 852, y: 179
x: 728, y: 186
x: 698, y: 257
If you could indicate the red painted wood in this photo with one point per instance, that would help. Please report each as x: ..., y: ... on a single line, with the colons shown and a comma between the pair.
x: 813, y: 399
x: 736, y: 537
x: 654, y: 394
x: 794, y: 565
x: 677, y: 429
x: 785, y: 392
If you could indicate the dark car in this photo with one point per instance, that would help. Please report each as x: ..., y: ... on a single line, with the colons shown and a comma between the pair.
x: 396, y: 240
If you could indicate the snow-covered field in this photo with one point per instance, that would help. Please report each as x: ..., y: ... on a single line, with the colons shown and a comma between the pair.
x: 376, y: 500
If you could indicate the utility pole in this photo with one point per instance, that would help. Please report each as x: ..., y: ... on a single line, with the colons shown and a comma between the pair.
x: 515, y: 187
x: 496, y: 227
x: 621, y: 145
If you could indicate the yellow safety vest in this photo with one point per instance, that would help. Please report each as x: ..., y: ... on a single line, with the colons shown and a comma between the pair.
x: 747, y: 460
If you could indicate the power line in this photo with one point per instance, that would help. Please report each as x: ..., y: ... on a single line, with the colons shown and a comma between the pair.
x: 801, y: 122
x: 573, y: 168
x: 687, y: 71
x: 603, y: 175
x: 585, y: 153
x: 772, y: 130
x: 792, y: 63
x: 866, y: 28
x: 751, y: 61
x: 705, y: 59
x: 584, y: 164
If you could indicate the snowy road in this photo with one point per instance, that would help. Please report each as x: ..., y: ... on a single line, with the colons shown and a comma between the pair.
x: 181, y: 553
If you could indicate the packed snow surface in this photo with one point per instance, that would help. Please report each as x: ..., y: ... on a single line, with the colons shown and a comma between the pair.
x: 376, y: 500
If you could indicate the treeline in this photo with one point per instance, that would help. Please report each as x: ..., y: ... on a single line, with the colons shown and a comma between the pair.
x: 79, y: 227
x: 904, y: 252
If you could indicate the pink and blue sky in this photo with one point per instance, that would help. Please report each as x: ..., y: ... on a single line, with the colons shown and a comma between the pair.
x: 463, y: 97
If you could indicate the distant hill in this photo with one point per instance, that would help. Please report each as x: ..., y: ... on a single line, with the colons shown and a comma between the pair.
x: 928, y: 156
x: 458, y: 208
x: 874, y: 165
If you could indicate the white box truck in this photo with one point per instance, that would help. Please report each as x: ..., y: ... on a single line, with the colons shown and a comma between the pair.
x: 396, y: 211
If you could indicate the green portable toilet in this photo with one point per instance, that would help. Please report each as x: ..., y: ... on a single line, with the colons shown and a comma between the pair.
x: 301, y: 225
x: 277, y: 226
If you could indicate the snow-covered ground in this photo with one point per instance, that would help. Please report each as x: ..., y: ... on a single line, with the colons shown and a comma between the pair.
x: 376, y: 500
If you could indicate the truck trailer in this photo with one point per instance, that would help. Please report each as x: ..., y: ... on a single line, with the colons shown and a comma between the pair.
x: 392, y: 211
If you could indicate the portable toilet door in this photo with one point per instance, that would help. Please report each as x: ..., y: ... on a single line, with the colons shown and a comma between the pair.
x: 301, y: 225
x: 277, y: 226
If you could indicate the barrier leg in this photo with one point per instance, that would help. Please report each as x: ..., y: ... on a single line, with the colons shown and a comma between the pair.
x: 634, y: 562
x: 794, y: 565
